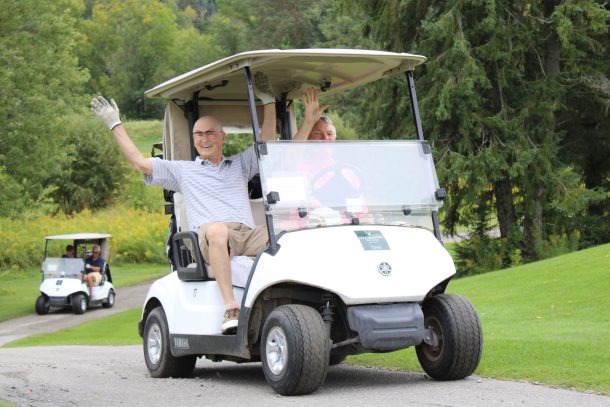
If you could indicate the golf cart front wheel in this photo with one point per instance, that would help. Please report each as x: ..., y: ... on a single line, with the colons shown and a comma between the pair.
x: 458, y: 338
x: 109, y: 303
x: 157, y: 353
x: 42, y: 305
x: 295, y: 350
x: 79, y: 303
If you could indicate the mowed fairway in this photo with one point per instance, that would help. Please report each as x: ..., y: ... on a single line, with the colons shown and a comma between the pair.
x: 547, y: 322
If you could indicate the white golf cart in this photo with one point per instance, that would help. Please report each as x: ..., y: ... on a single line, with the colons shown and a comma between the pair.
x: 62, y: 277
x: 354, y: 262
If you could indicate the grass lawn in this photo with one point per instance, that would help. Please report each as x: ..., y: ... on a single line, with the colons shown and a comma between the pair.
x: 144, y: 133
x: 18, y: 291
x: 543, y: 322
x: 546, y: 322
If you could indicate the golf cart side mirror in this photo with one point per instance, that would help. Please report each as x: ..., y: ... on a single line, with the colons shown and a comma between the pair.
x: 440, y: 194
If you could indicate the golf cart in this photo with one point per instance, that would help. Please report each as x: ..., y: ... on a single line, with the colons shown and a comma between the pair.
x: 62, y: 277
x: 354, y: 262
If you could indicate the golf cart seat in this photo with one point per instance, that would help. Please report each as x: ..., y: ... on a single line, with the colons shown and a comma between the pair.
x: 187, y: 257
x: 103, y: 273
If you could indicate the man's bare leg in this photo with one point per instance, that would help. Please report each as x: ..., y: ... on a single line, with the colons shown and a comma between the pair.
x: 218, y: 241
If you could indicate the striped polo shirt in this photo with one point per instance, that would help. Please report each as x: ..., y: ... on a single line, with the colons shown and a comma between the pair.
x: 212, y: 193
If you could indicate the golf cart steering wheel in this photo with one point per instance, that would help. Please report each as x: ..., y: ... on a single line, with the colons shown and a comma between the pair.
x: 334, y: 183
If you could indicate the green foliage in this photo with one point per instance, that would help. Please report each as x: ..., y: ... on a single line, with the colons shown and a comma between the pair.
x: 93, y: 170
x: 41, y: 84
x: 137, y: 236
x: 497, y: 100
x: 131, y: 46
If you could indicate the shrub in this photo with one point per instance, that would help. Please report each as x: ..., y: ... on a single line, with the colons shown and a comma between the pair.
x: 137, y: 235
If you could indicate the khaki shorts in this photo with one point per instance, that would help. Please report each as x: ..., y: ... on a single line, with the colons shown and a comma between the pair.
x: 97, y: 276
x: 243, y: 241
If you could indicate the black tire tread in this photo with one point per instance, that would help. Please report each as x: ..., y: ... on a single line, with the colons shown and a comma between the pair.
x: 169, y: 365
x: 309, y: 344
x: 42, y: 305
x: 463, y: 339
x: 76, y: 300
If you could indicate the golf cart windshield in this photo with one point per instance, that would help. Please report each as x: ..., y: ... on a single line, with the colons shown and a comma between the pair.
x: 313, y: 184
x: 53, y: 267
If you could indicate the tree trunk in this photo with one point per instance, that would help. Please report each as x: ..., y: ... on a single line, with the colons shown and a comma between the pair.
x: 533, y: 227
x: 505, y: 208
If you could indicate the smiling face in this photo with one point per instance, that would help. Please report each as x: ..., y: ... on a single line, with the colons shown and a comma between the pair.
x: 323, y: 131
x: 208, y: 138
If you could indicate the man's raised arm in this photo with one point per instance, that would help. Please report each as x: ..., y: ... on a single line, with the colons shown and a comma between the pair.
x: 109, y: 114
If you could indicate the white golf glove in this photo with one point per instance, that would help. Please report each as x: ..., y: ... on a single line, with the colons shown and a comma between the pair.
x: 87, y: 266
x: 107, y: 112
x: 262, y: 88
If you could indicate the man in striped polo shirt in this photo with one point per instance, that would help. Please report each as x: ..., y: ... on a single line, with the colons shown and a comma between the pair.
x: 215, y: 191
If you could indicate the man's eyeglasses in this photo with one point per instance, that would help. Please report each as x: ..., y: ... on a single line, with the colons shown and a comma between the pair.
x: 210, y: 134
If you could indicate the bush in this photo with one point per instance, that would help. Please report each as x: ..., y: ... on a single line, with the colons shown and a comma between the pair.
x: 94, y: 169
x: 137, y: 235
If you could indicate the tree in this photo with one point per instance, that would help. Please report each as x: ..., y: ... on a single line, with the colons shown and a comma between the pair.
x: 131, y: 46
x: 41, y: 82
x: 492, y: 98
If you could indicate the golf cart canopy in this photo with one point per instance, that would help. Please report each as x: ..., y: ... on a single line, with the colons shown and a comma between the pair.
x: 224, y: 89
x: 290, y: 72
x: 78, y: 240
x: 79, y: 236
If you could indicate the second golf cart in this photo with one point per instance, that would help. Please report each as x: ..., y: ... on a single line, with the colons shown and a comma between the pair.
x: 62, y: 276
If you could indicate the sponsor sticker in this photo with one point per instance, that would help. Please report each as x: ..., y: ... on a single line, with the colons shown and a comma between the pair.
x: 372, y: 240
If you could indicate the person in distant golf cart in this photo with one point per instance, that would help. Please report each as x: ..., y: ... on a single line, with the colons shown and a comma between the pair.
x: 315, y: 125
x: 70, y: 253
x: 214, y: 187
x: 94, y: 266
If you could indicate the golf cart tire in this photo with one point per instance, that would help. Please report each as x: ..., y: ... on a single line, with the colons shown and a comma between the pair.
x: 79, y: 303
x: 456, y: 325
x: 42, y: 305
x: 157, y: 353
x: 301, y: 364
x: 109, y: 303
x: 336, y: 359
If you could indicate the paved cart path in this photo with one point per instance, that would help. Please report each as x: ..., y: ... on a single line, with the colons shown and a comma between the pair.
x: 116, y: 375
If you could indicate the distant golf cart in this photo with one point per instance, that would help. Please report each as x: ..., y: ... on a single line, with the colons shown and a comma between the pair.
x: 62, y: 277
x: 355, y: 262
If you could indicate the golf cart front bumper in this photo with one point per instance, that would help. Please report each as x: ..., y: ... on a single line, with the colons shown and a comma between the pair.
x: 387, y: 327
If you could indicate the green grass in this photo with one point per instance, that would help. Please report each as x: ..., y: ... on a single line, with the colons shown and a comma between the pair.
x: 144, y: 133
x: 18, y: 291
x: 545, y: 322
x: 123, y: 327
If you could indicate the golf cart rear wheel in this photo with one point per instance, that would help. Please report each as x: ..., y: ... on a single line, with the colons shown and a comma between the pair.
x: 109, y: 303
x: 457, y: 328
x: 79, y: 303
x: 157, y: 353
x: 42, y: 305
x: 295, y: 350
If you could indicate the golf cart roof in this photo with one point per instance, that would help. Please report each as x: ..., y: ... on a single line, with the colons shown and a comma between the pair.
x: 79, y: 236
x: 290, y: 71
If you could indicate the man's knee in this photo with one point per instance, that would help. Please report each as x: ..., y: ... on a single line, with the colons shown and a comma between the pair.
x: 217, y: 234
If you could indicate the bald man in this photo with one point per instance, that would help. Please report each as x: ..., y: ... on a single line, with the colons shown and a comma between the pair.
x: 215, y: 192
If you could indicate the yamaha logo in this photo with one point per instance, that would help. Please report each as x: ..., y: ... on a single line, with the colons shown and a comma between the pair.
x: 384, y: 269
